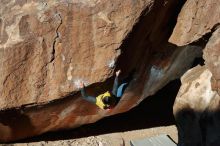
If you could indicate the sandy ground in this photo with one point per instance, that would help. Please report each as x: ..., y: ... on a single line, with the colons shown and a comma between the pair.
x: 112, y: 139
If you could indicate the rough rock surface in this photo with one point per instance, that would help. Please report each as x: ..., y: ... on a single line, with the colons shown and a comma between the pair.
x: 196, y: 19
x: 196, y: 109
x: 47, y: 47
x: 197, y: 103
x: 212, y: 59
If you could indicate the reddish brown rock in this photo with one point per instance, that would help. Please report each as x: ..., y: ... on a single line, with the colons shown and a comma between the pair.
x: 196, y: 19
x: 47, y: 47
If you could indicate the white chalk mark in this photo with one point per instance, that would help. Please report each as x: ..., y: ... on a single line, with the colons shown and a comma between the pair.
x: 66, y: 112
x: 155, y: 76
x: 63, y: 57
x: 13, y: 33
x: 69, y: 73
x: 77, y: 82
x: 156, y: 73
x: 111, y: 63
x: 104, y: 17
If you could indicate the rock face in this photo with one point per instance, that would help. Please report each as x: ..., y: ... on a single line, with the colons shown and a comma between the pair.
x: 196, y: 19
x: 47, y: 47
x: 196, y: 108
x: 212, y: 59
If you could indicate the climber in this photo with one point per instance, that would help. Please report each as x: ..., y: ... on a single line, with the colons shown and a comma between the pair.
x: 109, y: 99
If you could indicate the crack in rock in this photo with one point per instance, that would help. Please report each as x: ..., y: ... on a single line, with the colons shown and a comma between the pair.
x: 55, y: 38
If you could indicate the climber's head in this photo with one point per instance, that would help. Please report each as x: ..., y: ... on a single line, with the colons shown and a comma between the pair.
x: 107, y: 100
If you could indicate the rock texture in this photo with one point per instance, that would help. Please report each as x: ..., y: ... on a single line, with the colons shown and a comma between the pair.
x: 197, y: 104
x: 196, y: 19
x: 196, y: 109
x: 47, y: 47
x: 212, y: 59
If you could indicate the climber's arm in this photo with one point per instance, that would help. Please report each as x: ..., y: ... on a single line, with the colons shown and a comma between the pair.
x: 85, y: 96
x: 115, y: 86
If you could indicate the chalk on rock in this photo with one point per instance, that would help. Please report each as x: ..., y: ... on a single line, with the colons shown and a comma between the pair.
x: 111, y: 63
x: 77, y: 82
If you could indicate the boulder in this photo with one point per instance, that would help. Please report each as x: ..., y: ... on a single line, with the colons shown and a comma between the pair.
x: 196, y: 109
x: 212, y: 59
x: 197, y: 19
x: 47, y: 47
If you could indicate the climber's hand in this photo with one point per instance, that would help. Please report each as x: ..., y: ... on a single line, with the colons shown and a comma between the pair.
x: 81, y: 85
x: 118, y: 72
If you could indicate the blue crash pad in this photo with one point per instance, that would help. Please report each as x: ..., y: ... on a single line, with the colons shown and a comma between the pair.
x: 161, y: 140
